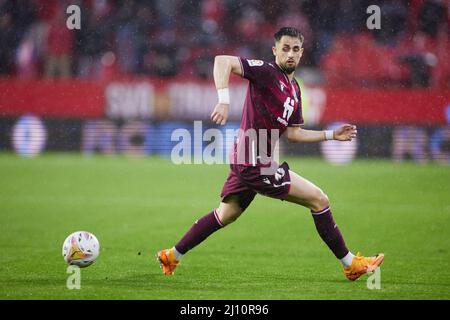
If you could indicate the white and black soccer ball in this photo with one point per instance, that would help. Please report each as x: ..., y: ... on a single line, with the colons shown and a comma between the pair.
x: 81, y: 248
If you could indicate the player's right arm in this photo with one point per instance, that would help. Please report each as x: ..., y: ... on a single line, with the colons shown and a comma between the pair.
x: 345, y: 132
x: 223, y: 67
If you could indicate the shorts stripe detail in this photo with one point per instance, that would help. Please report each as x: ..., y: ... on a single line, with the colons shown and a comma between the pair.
x: 280, y: 185
x: 217, y: 218
x: 320, y: 212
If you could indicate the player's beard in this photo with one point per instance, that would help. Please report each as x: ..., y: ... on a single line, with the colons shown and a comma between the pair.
x: 288, y: 69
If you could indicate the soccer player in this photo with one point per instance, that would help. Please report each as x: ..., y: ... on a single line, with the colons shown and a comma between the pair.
x: 273, y: 104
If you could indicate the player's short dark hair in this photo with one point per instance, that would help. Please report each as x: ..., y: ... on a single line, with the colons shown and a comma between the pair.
x: 288, y: 31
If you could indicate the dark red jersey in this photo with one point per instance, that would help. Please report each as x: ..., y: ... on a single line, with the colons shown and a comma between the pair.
x: 272, y: 104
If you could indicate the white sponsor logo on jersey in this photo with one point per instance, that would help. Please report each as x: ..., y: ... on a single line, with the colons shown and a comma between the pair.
x: 255, y: 63
x: 282, y: 121
x: 288, y: 108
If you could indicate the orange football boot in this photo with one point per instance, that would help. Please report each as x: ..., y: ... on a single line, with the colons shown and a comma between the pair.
x: 167, y: 261
x: 361, y: 265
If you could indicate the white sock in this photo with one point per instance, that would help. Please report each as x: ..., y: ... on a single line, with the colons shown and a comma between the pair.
x: 347, y: 260
x: 177, y: 254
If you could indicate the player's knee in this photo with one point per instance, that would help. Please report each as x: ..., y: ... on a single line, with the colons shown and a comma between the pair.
x: 228, y: 216
x: 320, y: 202
x: 229, y: 219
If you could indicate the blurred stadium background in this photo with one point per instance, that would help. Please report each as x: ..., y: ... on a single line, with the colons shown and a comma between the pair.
x: 138, y: 70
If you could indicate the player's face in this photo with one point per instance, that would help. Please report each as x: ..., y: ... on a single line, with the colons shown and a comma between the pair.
x: 288, y: 52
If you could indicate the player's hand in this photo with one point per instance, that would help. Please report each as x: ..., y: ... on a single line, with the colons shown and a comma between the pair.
x: 346, y: 132
x: 220, y: 114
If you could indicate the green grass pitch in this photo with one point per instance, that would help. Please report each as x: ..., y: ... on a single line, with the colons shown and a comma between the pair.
x: 136, y: 206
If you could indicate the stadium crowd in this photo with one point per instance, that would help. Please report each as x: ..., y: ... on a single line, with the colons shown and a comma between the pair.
x: 166, y: 38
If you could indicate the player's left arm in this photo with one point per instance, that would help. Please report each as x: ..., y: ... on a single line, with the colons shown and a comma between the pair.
x: 345, y: 132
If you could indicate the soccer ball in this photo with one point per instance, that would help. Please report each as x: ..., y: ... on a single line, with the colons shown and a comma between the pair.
x: 81, y: 248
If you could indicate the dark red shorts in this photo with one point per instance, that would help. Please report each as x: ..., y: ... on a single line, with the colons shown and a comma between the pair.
x: 246, y: 181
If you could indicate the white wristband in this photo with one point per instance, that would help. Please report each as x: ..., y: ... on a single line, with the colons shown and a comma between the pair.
x: 224, y: 95
x: 329, y: 134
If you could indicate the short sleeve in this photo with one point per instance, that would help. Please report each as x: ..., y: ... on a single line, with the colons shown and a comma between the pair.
x: 256, y: 71
x: 297, y: 117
